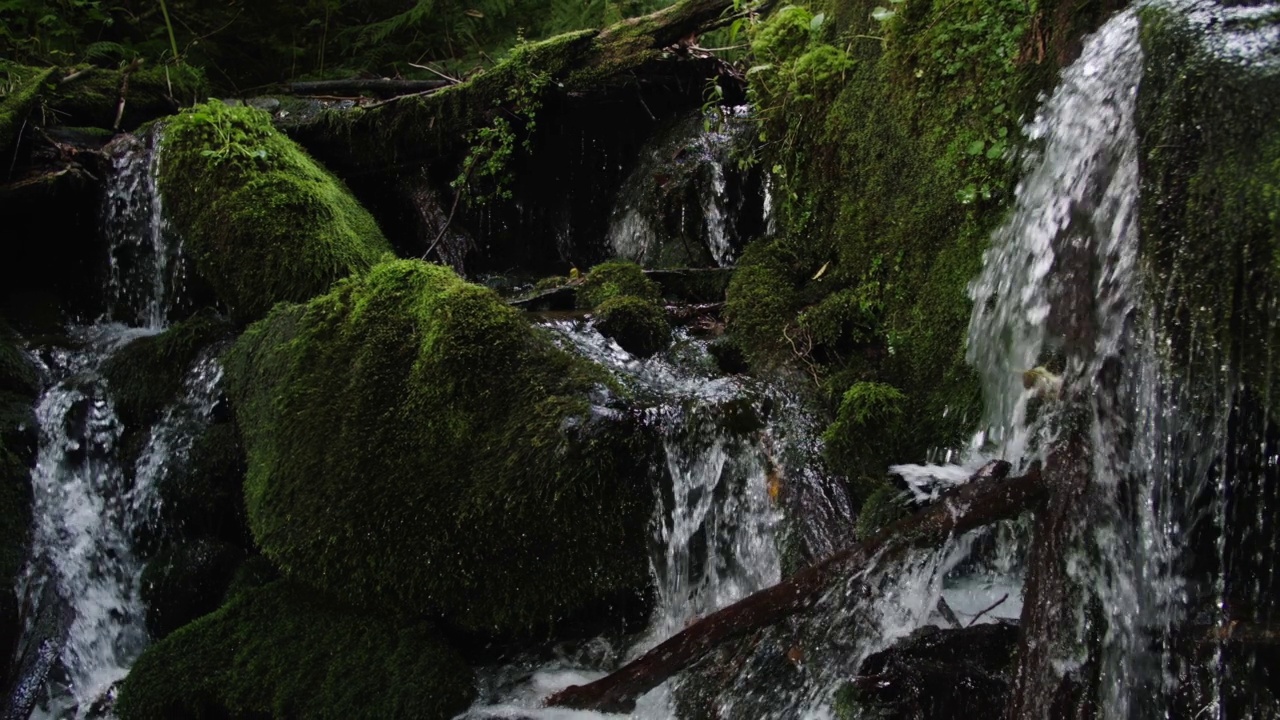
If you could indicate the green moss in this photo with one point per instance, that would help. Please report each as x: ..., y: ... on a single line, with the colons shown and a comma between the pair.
x: 147, y: 374
x: 19, y: 89
x: 92, y: 96
x: 866, y: 435
x: 884, y: 506
x: 639, y: 326
x: 1211, y: 242
x: 761, y: 302
x: 414, y: 444
x: 613, y: 279
x: 889, y: 187
x: 550, y: 283
x: 263, y: 221
x: 282, y: 651
x: 185, y: 581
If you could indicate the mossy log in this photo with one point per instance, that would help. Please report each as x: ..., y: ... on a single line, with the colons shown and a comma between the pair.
x: 589, y: 99
x: 981, y: 502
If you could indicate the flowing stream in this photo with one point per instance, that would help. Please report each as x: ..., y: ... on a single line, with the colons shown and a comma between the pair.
x: 1062, y: 321
x: 81, y: 592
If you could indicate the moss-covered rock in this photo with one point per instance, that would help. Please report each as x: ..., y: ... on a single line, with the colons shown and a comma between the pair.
x: 185, y: 581
x: 147, y: 374
x: 1210, y: 131
x: 413, y: 443
x: 263, y: 221
x: 205, y: 497
x: 639, y: 326
x: 283, y: 651
x: 865, y: 436
x: 613, y: 279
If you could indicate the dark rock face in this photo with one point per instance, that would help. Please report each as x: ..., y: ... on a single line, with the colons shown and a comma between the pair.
x: 937, y: 674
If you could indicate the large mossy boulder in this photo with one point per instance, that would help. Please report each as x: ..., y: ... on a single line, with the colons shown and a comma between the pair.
x: 264, y: 222
x: 282, y: 651
x: 414, y: 444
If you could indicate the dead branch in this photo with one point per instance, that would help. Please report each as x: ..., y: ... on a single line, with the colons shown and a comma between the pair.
x: 976, y: 504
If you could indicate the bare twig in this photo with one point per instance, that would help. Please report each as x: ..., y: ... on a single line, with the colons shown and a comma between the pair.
x: 997, y: 604
x: 428, y: 68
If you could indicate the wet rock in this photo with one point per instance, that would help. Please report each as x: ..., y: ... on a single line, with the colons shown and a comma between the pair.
x: 187, y: 580
x: 413, y: 443
x: 936, y: 674
x: 284, y: 650
x: 637, y: 325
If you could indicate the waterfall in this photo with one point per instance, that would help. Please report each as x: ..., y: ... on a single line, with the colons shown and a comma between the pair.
x: 146, y: 267
x: 731, y: 448
x: 84, y: 618
x: 687, y: 203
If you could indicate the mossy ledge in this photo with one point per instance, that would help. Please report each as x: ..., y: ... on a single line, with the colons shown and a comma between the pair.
x: 891, y: 146
x: 282, y: 651
x: 414, y: 444
x: 264, y: 222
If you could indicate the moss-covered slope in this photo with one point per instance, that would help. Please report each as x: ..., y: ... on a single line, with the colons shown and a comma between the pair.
x: 890, y: 140
x: 264, y: 222
x: 1210, y: 127
x: 281, y: 651
x: 414, y: 444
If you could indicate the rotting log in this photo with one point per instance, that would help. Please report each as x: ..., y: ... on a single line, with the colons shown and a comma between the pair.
x: 981, y: 502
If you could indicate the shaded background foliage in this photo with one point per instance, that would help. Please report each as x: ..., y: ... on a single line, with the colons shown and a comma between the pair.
x: 244, y: 44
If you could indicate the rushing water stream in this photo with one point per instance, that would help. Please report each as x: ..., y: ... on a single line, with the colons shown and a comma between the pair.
x: 1063, y: 328
x: 85, y: 617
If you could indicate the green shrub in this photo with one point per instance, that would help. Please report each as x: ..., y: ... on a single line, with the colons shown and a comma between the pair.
x: 263, y: 221
x: 639, y: 326
x: 612, y: 279
x: 283, y: 651
x: 413, y: 443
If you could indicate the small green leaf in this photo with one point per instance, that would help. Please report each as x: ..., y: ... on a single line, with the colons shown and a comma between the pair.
x: 977, y: 146
x: 996, y: 151
x: 817, y: 21
x: 882, y: 14
x: 1002, y: 133
x: 967, y: 194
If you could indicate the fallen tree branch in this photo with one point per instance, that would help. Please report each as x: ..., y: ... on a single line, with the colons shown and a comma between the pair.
x: 993, y: 606
x: 981, y: 502
x: 361, y: 86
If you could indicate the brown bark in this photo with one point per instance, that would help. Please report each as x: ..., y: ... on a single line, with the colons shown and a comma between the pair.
x: 981, y: 502
x: 1052, y: 596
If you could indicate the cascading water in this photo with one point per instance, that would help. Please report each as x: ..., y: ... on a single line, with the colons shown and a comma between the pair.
x: 687, y: 204
x: 81, y: 589
x: 717, y: 535
x: 146, y: 266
